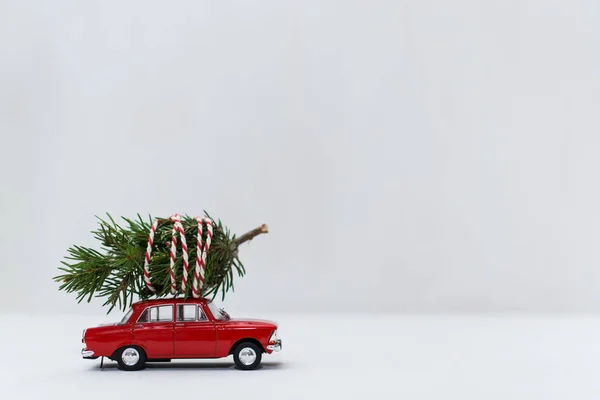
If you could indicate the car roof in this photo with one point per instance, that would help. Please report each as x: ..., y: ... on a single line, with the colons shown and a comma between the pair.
x: 171, y: 300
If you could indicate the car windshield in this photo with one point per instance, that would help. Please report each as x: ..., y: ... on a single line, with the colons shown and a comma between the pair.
x: 126, y: 317
x: 218, y: 312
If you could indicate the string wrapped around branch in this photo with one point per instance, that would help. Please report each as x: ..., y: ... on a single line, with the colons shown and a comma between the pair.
x: 139, y: 259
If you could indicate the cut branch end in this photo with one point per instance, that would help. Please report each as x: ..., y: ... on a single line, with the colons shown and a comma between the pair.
x: 252, y: 234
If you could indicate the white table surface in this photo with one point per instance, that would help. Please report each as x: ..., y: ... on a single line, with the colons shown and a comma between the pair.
x: 328, y: 357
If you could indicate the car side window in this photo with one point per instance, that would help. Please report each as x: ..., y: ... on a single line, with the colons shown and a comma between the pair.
x: 144, y: 317
x: 201, y: 315
x: 190, y: 313
x: 162, y: 314
x: 186, y: 312
x: 157, y: 314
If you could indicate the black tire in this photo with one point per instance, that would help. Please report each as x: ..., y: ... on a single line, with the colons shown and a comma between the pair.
x: 247, y: 356
x: 127, y: 359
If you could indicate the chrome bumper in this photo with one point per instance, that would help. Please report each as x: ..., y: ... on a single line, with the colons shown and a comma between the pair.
x: 85, y: 353
x: 276, y: 346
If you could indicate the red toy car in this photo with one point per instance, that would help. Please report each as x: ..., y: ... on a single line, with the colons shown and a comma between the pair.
x: 165, y: 329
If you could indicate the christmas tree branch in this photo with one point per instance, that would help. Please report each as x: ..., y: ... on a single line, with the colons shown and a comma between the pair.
x: 117, y: 273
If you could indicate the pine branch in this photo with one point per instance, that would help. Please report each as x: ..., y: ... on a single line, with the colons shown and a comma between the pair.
x: 116, y: 273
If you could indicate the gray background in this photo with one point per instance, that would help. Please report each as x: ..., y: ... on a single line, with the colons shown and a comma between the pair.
x: 421, y: 156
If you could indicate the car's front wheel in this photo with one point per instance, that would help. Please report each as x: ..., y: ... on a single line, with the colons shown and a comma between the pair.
x: 131, y: 358
x: 247, y: 356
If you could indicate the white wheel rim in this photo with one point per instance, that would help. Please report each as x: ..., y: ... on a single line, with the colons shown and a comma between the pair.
x: 247, y: 356
x: 130, y: 357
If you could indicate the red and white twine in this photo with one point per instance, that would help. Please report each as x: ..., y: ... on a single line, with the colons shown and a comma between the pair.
x: 178, y: 228
x: 147, y: 257
x: 201, y: 252
x: 201, y: 255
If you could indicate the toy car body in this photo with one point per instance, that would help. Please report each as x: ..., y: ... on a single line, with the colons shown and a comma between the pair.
x: 165, y: 329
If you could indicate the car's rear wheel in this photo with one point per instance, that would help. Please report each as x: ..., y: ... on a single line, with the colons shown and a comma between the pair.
x: 247, y: 356
x: 131, y: 358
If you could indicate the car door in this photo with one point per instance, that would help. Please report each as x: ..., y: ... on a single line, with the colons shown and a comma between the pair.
x: 195, y: 334
x: 154, y: 331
